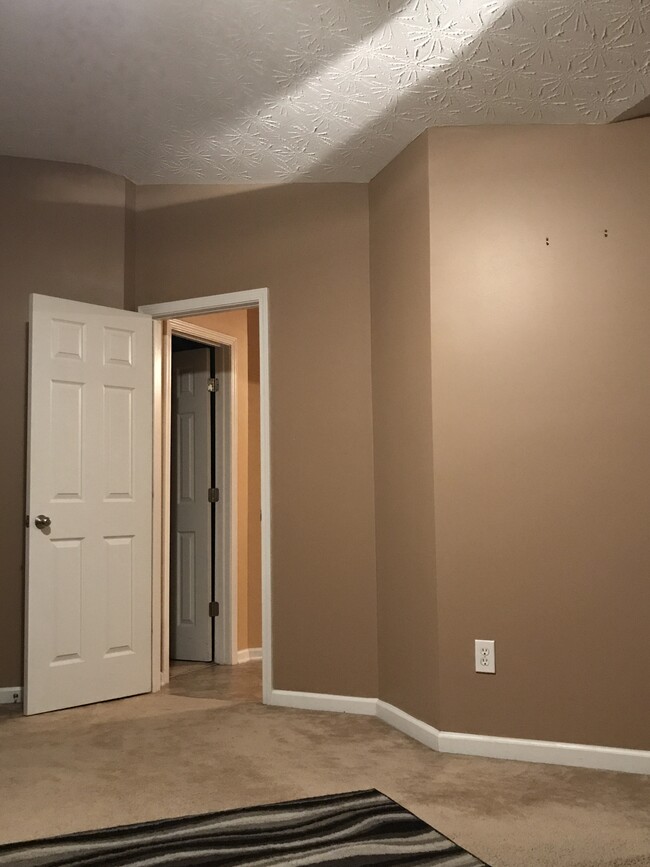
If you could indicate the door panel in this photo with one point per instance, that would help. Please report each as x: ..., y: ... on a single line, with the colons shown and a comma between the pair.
x: 66, y: 424
x: 118, y: 595
x: 191, y: 514
x: 88, y: 592
x: 66, y: 563
x: 118, y: 443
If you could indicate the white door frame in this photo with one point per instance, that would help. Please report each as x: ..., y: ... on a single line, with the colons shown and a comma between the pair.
x: 225, y: 631
x: 161, y: 492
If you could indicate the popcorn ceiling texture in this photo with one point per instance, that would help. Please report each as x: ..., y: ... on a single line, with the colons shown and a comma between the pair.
x: 255, y: 91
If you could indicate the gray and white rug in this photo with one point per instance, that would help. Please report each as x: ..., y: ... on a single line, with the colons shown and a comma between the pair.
x: 354, y: 829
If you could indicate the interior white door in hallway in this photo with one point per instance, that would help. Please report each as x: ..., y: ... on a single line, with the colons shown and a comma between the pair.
x: 89, y: 490
x: 191, y: 510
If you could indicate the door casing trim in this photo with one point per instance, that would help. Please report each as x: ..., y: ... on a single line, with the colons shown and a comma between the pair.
x: 192, y: 307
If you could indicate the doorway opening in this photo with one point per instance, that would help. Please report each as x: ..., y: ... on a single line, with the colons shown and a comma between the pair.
x: 200, y: 501
x: 238, y: 527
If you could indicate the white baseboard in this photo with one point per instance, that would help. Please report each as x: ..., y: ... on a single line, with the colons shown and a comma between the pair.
x: 517, y: 749
x: 11, y: 694
x: 409, y: 725
x: 322, y: 701
x: 249, y: 655
x: 547, y: 752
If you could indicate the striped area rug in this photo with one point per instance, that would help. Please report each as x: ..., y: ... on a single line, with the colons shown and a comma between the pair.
x: 354, y: 829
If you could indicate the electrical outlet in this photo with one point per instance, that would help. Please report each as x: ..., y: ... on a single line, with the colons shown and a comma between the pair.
x: 484, y: 656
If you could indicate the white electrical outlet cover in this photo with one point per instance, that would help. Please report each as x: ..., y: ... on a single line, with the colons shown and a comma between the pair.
x: 484, y: 661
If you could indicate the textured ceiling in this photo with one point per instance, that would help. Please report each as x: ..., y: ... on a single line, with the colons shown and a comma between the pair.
x: 232, y: 91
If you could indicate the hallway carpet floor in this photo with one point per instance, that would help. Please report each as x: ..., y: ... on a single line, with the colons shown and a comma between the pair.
x: 206, y: 743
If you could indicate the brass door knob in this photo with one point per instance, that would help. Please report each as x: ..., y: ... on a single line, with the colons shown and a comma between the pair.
x: 42, y: 521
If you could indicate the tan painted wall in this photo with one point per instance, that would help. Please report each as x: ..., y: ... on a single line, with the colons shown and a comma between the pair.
x: 401, y: 383
x: 541, y: 404
x: 309, y: 244
x: 62, y: 234
x: 540, y: 396
x: 249, y: 587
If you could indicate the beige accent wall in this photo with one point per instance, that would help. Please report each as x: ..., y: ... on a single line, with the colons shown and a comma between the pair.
x: 403, y: 445
x: 308, y: 243
x: 235, y: 323
x: 541, y: 407
x: 62, y: 233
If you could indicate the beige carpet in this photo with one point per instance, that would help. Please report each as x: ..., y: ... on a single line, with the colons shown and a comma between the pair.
x: 205, y: 743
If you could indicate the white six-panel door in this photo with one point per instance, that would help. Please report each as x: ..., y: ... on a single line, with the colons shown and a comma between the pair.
x: 88, y: 596
x: 191, y: 512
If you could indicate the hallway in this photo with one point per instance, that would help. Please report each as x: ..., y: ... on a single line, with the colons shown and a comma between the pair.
x: 206, y: 743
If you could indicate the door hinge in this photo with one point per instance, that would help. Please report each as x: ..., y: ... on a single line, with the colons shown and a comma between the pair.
x: 213, y: 495
x: 213, y: 384
x: 214, y: 609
